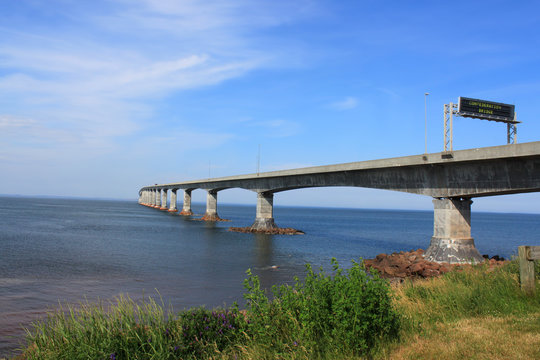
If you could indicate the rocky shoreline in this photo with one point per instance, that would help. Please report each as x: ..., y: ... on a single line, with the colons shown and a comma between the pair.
x: 272, y: 231
x: 411, y: 264
x: 211, y: 218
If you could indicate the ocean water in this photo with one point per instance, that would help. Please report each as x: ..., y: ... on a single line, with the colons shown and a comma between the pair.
x: 67, y: 250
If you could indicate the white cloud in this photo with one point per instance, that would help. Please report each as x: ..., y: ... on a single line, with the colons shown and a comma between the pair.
x: 346, y: 104
x: 94, y: 89
x: 87, y: 90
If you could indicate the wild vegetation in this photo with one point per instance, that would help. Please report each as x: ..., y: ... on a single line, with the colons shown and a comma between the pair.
x: 475, y: 312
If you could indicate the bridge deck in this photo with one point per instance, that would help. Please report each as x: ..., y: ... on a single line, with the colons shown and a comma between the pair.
x: 473, y: 172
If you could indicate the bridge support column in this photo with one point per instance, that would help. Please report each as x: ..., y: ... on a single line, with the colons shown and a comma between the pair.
x: 157, y: 203
x: 452, y: 241
x: 211, y: 207
x: 172, y: 205
x: 264, y: 218
x: 186, y: 207
x: 163, y: 200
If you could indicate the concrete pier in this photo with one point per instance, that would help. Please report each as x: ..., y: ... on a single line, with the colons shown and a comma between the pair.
x: 264, y: 218
x: 163, y: 200
x: 211, y: 207
x: 452, y: 241
x: 186, y: 207
x: 157, y: 201
x: 172, y: 205
x: 149, y: 194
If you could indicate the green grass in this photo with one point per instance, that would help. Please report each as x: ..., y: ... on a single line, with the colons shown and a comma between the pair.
x: 126, y: 329
x: 476, y: 312
x: 475, y: 291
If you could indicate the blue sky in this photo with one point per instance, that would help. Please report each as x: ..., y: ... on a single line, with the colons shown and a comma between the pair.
x: 100, y: 98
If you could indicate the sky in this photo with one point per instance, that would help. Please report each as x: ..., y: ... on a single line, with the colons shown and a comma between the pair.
x: 100, y: 98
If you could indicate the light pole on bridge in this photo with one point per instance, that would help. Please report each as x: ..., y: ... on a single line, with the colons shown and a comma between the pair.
x: 425, y: 122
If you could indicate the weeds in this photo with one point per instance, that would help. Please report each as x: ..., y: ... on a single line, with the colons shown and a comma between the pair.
x: 475, y: 291
x: 350, y: 311
x: 345, y: 314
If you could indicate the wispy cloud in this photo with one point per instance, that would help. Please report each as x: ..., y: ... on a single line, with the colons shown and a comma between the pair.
x: 98, y: 81
x: 278, y: 128
x: 346, y: 104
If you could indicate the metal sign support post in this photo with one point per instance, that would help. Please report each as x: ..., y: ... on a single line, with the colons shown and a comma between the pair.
x: 449, y: 111
x: 511, y: 137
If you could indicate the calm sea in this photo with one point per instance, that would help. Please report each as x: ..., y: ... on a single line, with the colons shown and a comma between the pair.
x: 66, y: 250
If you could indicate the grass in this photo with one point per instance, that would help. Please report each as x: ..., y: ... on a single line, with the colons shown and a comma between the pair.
x: 488, y: 337
x: 472, y: 291
x: 477, y: 313
x: 126, y: 329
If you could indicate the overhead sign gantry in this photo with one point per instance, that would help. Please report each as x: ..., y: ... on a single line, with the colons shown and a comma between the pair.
x: 479, y: 109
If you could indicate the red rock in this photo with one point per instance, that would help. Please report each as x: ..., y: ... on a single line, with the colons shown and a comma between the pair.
x: 274, y: 231
x: 408, y: 264
x: 369, y: 263
x: 445, y: 268
x: 385, y: 262
x: 430, y: 273
x: 416, y: 268
x: 389, y: 271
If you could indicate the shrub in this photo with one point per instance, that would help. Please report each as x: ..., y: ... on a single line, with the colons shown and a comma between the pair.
x: 350, y: 311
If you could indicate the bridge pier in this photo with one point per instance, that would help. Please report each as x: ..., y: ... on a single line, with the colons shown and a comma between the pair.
x: 146, y: 197
x: 163, y: 200
x: 172, y: 205
x: 186, y: 207
x: 151, y: 198
x: 452, y: 241
x: 211, y: 207
x: 157, y: 198
x: 264, y: 218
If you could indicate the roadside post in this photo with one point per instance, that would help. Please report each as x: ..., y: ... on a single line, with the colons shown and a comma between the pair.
x: 527, y: 255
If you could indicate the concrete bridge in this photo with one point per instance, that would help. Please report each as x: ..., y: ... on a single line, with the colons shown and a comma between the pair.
x: 450, y: 178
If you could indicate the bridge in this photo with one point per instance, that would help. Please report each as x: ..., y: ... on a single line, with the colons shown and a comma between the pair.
x: 451, y: 178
